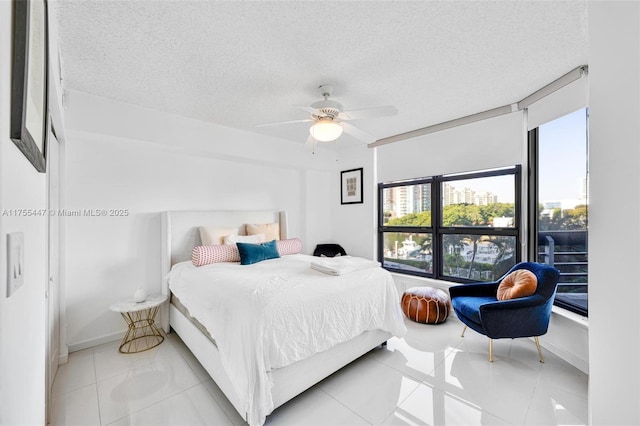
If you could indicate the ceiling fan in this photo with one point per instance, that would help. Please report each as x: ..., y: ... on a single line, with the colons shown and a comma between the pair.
x: 330, y: 119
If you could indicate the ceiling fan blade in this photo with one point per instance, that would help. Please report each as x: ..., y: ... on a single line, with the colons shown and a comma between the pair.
x: 307, y: 108
x: 310, y: 144
x: 356, y: 114
x: 283, y: 122
x: 357, y: 133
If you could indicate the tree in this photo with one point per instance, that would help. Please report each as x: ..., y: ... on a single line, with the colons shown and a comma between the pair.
x: 412, y: 219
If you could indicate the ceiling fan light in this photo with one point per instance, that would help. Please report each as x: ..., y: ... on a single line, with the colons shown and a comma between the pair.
x: 325, y: 130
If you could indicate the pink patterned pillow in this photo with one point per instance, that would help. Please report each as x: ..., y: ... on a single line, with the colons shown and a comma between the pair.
x: 205, y: 255
x: 290, y: 246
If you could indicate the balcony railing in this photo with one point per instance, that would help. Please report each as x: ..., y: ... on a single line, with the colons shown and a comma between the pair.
x: 567, y: 251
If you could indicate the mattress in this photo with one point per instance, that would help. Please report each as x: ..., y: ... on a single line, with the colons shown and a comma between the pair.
x: 274, y: 313
x: 175, y: 301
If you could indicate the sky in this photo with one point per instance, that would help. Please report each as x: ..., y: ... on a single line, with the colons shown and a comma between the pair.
x: 562, y: 157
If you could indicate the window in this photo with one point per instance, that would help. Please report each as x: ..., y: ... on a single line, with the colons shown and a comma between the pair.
x: 559, y: 204
x: 461, y: 228
x: 406, y: 231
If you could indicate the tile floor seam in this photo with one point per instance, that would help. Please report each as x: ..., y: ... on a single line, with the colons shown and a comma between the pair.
x: 533, y: 392
x: 195, y: 373
x: 66, y: 394
x: 469, y: 403
x: 221, y: 407
x: 95, y: 382
x: 345, y: 406
x: 400, y: 402
x: 170, y: 395
x: 158, y: 402
x: 483, y: 409
x: 404, y: 373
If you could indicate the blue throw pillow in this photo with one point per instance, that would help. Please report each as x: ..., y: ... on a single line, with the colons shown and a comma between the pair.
x: 254, y: 253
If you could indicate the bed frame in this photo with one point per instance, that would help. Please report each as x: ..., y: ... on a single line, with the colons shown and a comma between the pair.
x: 179, y: 236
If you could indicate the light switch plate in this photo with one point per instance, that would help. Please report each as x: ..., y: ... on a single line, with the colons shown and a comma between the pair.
x: 15, y: 262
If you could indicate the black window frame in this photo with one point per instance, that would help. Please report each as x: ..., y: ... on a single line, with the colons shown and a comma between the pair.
x: 438, y: 231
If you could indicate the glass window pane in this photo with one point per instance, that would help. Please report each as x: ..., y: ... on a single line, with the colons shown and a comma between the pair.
x: 478, y: 257
x: 481, y: 202
x: 408, y: 251
x: 408, y: 205
x: 563, y: 205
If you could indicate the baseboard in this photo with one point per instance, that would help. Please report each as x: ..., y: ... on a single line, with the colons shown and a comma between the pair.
x: 572, y: 359
x: 78, y: 346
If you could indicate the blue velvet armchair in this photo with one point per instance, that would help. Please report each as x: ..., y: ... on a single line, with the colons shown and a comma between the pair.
x: 477, y: 307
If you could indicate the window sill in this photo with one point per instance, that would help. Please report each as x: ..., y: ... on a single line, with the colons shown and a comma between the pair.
x: 571, y: 316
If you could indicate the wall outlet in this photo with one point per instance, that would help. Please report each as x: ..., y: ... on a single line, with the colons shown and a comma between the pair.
x: 15, y: 262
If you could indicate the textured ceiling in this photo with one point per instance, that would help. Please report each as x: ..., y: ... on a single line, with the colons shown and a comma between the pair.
x: 240, y: 63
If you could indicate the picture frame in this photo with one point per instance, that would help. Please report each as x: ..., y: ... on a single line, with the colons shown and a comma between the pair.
x: 351, y: 186
x: 29, y: 80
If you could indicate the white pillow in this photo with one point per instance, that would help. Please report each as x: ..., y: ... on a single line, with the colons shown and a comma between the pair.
x: 214, y: 235
x: 251, y: 239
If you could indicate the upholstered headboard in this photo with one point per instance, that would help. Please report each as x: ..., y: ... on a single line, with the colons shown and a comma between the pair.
x: 180, y: 233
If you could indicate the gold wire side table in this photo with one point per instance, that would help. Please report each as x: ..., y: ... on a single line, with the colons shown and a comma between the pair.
x: 142, y: 333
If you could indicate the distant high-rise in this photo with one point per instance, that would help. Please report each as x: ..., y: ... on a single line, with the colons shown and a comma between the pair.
x: 403, y: 200
x: 399, y: 201
x: 452, y: 195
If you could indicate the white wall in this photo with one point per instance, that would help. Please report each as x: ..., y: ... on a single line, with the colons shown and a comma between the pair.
x: 354, y: 225
x: 614, y: 228
x: 146, y: 162
x: 22, y: 319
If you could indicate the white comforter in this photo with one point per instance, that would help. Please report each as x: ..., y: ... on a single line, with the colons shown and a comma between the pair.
x: 273, y: 313
x: 342, y: 264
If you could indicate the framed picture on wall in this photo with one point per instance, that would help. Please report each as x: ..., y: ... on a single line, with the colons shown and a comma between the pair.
x: 351, y: 186
x: 29, y: 80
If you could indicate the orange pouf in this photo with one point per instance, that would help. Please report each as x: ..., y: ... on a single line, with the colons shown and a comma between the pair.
x: 426, y: 305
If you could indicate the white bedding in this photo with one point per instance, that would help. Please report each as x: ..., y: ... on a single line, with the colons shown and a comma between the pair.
x: 341, y: 265
x: 273, y: 313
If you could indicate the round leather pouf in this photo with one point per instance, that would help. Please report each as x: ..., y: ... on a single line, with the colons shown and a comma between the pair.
x: 426, y: 305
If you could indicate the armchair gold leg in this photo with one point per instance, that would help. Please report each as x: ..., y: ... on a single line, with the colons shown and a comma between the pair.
x: 539, y: 349
x: 490, y: 350
x: 463, y: 330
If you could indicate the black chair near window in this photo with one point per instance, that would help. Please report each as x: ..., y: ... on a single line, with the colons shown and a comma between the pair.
x: 329, y: 250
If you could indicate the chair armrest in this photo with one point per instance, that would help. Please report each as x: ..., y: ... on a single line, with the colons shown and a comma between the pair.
x: 523, y: 317
x: 513, y: 304
x: 478, y: 289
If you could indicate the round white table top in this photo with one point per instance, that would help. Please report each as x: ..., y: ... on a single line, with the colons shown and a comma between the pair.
x: 129, y: 305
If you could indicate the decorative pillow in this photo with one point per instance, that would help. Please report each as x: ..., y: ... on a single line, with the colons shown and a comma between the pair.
x: 205, y: 255
x: 290, y: 246
x: 213, y: 235
x: 519, y: 283
x: 254, y: 253
x: 271, y: 231
x: 251, y: 239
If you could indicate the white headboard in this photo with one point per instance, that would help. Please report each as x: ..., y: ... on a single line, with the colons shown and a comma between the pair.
x: 180, y: 233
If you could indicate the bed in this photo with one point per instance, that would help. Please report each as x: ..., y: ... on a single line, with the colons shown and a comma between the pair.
x: 272, y: 376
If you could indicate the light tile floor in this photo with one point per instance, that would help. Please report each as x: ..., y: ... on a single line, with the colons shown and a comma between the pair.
x: 432, y: 376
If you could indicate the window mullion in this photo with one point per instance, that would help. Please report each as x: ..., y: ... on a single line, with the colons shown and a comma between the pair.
x: 436, y: 218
